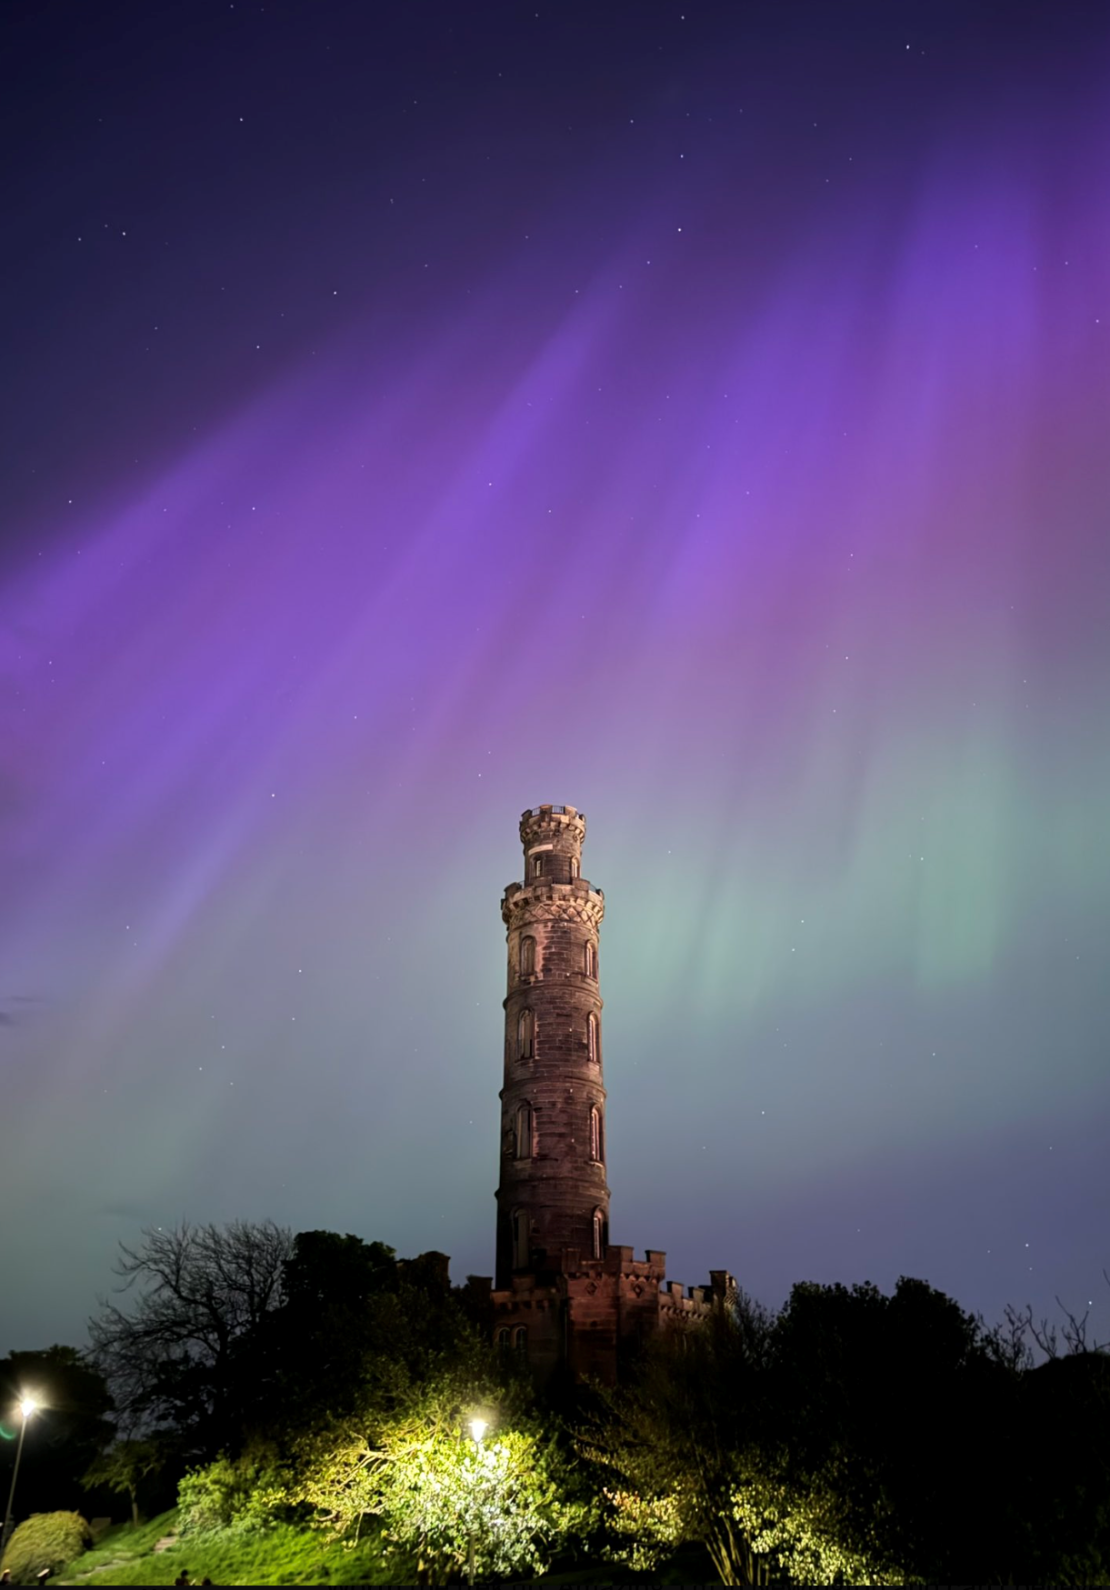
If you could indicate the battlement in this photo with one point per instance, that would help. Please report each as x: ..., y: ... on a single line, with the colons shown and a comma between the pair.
x: 693, y: 1301
x: 558, y: 828
x: 620, y: 1261
x: 582, y: 1312
x: 575, y: 901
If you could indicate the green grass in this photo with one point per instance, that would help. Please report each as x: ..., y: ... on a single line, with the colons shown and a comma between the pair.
x: 284, y: 1555
x: 281, y: 1555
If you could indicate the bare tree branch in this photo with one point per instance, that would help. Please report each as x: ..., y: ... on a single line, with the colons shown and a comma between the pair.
x: 1021, y: 1328
x: 194, y: 1292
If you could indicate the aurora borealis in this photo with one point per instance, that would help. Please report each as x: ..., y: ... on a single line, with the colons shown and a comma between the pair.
x: 694, y: 413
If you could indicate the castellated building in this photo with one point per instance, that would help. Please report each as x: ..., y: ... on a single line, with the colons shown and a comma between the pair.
x: 564, y: 1296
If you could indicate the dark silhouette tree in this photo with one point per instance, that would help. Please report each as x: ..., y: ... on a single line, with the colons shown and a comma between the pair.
x: 308, y: 1353
x: 896, y: 1398
x: 171, y: 1356
x: 1063, y: 1471
x: 840, y: 1442
x: 71, y: 1424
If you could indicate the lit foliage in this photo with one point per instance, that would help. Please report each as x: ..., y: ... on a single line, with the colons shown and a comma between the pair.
x: 667, y: 1444
x: 442, y: 1499
x: 803, y: 1529
x: 766, y: 1523
x: 438, y: 1495
x: 693, y: 1448
x: 645, y: 1528
x: 45, y: 1541
x: 243, y: 1494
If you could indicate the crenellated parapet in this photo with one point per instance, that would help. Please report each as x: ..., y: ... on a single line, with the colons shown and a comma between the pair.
x: 544, y: 901
x: 580, y: 1313
x: 560, y: 829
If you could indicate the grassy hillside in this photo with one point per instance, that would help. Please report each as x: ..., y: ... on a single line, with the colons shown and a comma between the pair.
x: 286, y: 1556
x: 281, y: 1555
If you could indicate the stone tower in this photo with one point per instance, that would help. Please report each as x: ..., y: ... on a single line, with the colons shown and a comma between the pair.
x: 566, y: 1301
x: 553, y: 1194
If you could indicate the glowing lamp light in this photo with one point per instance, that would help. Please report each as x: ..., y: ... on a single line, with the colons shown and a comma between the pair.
x: 27, y: 1406
x: 478, y: 1428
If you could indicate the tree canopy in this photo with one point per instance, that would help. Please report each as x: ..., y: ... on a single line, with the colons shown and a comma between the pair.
x: 842, y: 1441
x: 72, y: 1422
x: 171, y: 1353
x: 318, y: 1380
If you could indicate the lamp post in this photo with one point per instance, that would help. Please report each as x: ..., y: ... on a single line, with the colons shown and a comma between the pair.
x: 478, y: 1428
x: 26, y: 1408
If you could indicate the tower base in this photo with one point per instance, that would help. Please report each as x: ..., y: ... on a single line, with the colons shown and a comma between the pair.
x: 578, y: 1318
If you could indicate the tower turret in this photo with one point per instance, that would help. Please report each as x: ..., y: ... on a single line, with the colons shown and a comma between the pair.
x: 553, y: 1194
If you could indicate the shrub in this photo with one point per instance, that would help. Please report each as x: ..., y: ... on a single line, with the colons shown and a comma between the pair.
x: 228, y: 1495
x: 46, y: 1540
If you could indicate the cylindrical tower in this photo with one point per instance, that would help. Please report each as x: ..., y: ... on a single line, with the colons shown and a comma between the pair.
x: 553, y: 1193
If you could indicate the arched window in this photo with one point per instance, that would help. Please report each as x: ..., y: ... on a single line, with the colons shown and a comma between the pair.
x: 597, y: 1139
x: 591, y: 960
x: 520, y: 1239
x: 537, y: 866
x: 527, y: 956
x: 520, y: 1340
x: 504, y: 1340
x: 598, y: 1233
x: 591, y: 1037
x: 522, y: 1137
x: 574, y: 866
x: 525, y: 1035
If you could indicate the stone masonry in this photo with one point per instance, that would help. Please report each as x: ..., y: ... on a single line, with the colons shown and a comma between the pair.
x: 553, y: 1193
x: 564, y: 1297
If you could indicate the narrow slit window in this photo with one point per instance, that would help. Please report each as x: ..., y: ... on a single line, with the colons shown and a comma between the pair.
x: 591, y: 961
x: 598, y: 1233
x: 591, y: 1038
x: 527, y: 956
x: 597, y: 1141
x: 523, y: 1133
x: 520, y: 1240
x: 525, y: 1035
x: 537, y: 866
x: 574, y: 866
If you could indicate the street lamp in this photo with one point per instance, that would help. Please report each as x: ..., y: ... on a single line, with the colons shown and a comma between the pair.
x: 478, y: 1428
x: 26, y: 1408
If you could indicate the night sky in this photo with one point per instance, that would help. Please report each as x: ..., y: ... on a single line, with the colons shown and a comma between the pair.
x: 695, y: 413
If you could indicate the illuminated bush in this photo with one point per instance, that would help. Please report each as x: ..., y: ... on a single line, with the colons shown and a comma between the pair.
x: 46, y: 1540
x: 227, y: 1495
